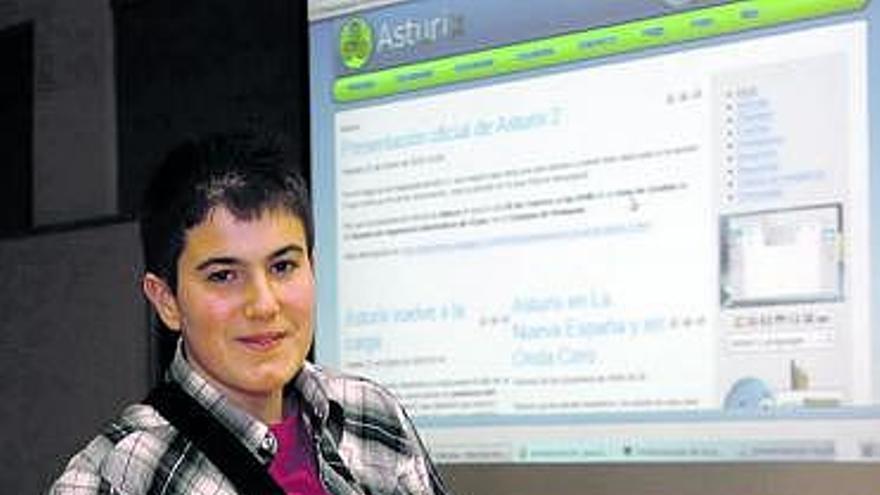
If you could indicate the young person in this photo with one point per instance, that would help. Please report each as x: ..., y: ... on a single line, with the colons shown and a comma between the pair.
x: 227, y: 239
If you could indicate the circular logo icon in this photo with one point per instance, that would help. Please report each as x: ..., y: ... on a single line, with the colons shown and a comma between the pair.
x: 355, y: 43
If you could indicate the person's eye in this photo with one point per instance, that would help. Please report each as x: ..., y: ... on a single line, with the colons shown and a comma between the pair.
x: 283, y: 267
x: 224, y: 276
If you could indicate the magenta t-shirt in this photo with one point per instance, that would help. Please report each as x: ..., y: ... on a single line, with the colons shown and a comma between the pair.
x: 293, y: 467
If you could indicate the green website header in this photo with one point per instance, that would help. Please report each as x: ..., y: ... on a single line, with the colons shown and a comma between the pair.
x: 586, y: 45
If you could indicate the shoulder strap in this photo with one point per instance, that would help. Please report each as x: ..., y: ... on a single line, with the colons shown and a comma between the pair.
x: 213, y: 439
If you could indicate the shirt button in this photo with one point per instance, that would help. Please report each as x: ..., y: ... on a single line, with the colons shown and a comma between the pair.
x: 269, y: 445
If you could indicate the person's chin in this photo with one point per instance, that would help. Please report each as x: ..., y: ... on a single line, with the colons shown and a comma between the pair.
x: 275, y: 377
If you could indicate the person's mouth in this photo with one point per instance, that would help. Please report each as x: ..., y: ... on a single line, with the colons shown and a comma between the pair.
x: 262, y: 341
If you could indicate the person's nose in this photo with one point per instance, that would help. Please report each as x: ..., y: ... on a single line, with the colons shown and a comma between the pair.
x: 262, y: 303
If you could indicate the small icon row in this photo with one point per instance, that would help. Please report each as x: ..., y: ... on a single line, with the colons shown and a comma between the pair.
x: 782, y: 318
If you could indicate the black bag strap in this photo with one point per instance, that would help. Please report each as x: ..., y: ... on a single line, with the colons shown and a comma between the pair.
x: 221, y: 447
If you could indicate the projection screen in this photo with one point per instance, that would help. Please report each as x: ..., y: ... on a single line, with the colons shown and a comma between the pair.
x: 604, y: 232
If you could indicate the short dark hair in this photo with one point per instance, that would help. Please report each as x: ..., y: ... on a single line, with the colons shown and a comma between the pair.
x: 246, y: 173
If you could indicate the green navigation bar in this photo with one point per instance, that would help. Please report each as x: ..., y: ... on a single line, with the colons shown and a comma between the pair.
x: 594, y: 43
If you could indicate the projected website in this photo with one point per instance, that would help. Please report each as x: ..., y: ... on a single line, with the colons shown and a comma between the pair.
x: 659, y: 254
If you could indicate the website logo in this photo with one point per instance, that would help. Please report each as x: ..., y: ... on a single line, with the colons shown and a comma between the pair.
x: 355, y: 43
x: 359, y: 41
x: 412, y: 33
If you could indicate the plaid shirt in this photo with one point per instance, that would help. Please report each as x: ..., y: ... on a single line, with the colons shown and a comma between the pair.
x: 364, y: 443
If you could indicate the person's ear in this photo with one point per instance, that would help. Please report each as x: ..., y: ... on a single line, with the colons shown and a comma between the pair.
x: 162, y: 299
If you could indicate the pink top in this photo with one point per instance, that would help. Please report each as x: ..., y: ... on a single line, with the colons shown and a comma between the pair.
x: 293, y: 467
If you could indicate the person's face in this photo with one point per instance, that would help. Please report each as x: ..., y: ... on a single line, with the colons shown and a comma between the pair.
x: 245, y: 294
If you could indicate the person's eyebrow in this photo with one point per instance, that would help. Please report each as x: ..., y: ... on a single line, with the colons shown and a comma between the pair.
x: 219, y: 260
x: 289, y: 249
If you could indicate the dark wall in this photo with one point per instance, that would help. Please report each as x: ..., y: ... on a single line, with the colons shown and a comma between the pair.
x: 16, y: 127
x: 70, y: 137
x: 74, y: 346
x: 186, y: 68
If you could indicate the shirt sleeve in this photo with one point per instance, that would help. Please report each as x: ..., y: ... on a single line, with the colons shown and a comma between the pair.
x: 418, y: 475
x: 82, y: 474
